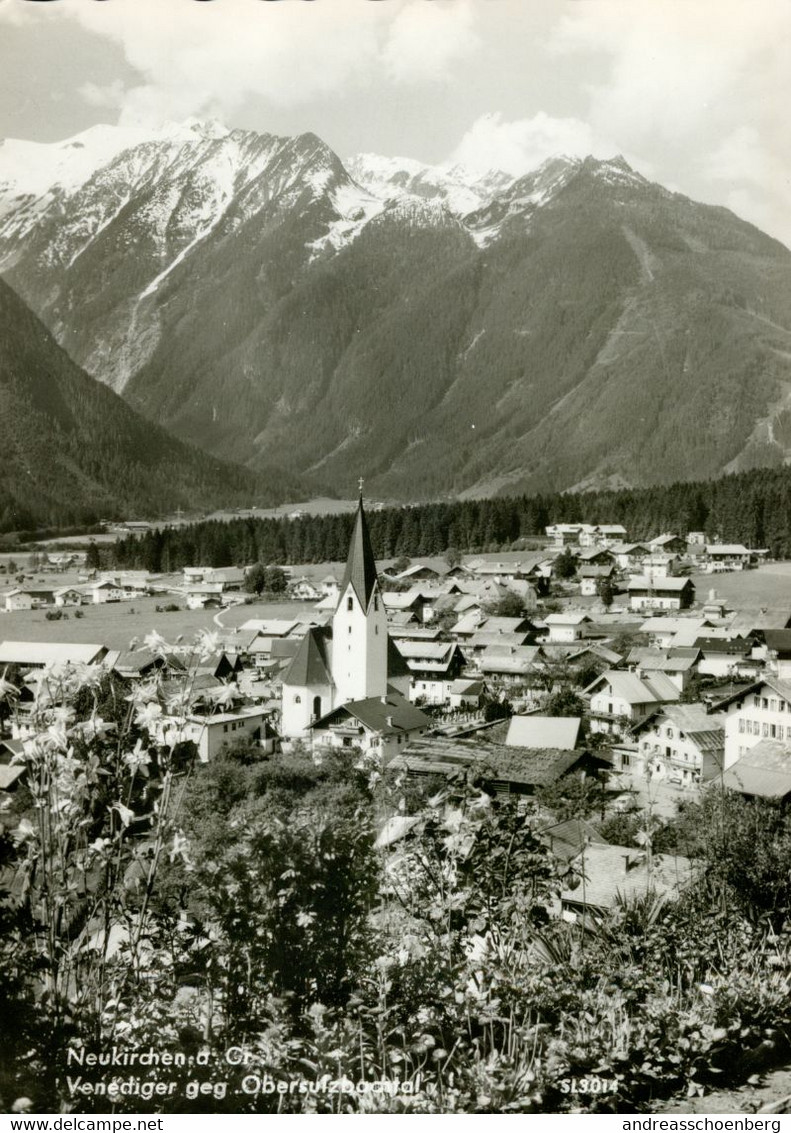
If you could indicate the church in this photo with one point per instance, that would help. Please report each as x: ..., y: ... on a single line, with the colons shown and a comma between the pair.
x: 348, y: 684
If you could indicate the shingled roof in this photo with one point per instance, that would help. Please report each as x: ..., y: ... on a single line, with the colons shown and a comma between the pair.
x: 310, y: 665
x: 360, y: 565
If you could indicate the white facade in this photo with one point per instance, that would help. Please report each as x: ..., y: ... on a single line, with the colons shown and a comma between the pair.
x: 764, y: 713
x: 211, y: 733
x: 359, y: 647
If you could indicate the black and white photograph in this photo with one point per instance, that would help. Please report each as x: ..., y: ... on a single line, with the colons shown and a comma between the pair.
x: 395, y: 561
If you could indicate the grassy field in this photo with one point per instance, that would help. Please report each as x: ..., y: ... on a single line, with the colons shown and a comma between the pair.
x: 118, y: 624
x: 750, y: 590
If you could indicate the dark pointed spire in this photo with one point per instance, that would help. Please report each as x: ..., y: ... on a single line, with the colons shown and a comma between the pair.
x: 360, y: 565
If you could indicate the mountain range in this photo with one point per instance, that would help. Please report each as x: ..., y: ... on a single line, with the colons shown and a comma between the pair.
x: 438, y: 331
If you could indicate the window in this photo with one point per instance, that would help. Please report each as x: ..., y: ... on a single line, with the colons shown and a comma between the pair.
x: 773, y: 705
x: 670, y: 733
x: 376, y: 605
x: 317, y: 706
x: 225, y: 726
x: 350, y: 603
x: 741, y: 725
x: 350, y: 629
x: 766, y: 730
x: 297, y: 699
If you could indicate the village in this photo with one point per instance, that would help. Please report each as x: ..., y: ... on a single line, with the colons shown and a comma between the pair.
x: 593, y: 659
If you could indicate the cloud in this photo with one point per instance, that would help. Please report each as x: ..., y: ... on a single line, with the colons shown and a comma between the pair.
x: 209, y: 58
x: 697, y: 86
x: 426, y: 38
x: 519, y: 146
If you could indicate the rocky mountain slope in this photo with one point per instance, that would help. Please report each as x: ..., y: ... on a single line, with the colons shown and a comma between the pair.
x: 434, y: 331
x: 74, y: 452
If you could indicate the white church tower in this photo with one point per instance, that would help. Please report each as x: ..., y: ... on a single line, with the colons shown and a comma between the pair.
x: 359, y: 627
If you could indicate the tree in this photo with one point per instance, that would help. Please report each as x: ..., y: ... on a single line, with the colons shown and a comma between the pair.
x: 565, y: 702
x: 255, y: 579
x: 509, y: 606
x: 606, y: 591
x: 275, y: 580
x: 565, y: 565
x: 452, y: 557
x: 93, y: 559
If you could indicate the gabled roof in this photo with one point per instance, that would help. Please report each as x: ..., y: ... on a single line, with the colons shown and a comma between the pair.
x: 566, y: 839
x: 49, y: 652
x: 310, y: 665
x: 763, y: 770
x: 360, y: 566
x: 669, y: 585
x: 637, y: 690
x: 385, y: 715
x: 543, y: 732
x: 396, y: 663
x: 611, y: 871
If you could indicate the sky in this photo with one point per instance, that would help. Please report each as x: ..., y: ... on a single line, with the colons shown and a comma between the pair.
x: 692, y: 92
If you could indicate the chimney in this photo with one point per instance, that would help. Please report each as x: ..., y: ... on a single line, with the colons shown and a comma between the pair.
x: 389, y: 721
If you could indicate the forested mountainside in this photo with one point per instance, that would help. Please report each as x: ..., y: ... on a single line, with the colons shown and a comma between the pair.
x: 74, y: 452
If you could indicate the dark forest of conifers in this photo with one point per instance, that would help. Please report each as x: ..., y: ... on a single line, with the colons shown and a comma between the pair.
x: 753, y: 508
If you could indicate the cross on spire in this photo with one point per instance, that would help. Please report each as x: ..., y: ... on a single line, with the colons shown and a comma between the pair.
x: 360, y: 483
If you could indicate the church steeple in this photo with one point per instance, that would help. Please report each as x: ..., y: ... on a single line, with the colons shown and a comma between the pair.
x: 359, y: 627
x: 360, y: 566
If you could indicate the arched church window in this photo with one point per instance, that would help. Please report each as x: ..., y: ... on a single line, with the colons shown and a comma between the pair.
x: 297, y: 699
x: 317, y: 706
x: 376, y: 605
x: 350, y: 603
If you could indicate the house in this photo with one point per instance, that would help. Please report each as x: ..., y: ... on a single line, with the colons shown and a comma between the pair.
x: 726, y: 556
x: 621, y: 699
x: 204, y: 595
x: 434, y: 665
x: 38, y: 654
x: 777, y: 643
x: 629, y: 556
x: 656, y: 593
x: 564, y: 534
x: 106, y: 591
x: 566, y: 627
x: 544, y: 732
x: 303, y: 590
x: 30, y: 598
x: 726, y: 657
x: 464, y: 693
x: 508, y: 665
x: 211, y: 733
x: 680, y: 669
x: 763, y: 772
x: 230, y: 578
x: 682, y: 743
x: 659, y: 565
x: 668, y: 544
x: 591, y: 578
x: 606, y: 875
x: 500, y: 769
x: 760, y: 711
x: 595, y: 556
x: 67, y: 596
x: 666, y: 633
x: 416, y: 572
x: 377, y: 725
x: 413, y: 600
x: 567, y: 839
